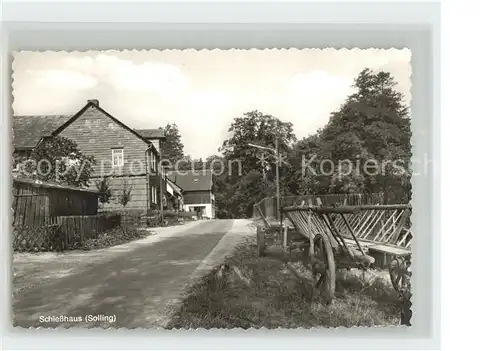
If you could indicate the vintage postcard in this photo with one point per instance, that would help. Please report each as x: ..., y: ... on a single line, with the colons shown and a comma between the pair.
x: 212, y: 189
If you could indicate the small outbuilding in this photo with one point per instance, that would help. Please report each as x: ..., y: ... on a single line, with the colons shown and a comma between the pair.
x: 35, y: 201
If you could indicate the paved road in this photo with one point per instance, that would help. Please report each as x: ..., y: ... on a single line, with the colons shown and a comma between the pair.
x: 140, y: 287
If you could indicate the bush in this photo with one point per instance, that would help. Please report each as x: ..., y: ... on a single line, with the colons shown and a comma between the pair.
x: 109, y: 220
x: 132, y: 217
x: 104, y: 188
x: 154, y: 221
x: 151, y: 218
x: 170, y: 213
x: 170, y: 218
x: 113, y: 237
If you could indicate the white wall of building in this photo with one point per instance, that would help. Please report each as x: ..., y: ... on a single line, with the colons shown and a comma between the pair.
x: 169, y: 189
x: 208, y: 209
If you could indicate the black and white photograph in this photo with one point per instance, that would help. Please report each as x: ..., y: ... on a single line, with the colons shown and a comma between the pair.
x: 185, y: 189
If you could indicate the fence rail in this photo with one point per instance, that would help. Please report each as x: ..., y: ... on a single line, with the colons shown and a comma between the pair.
x: 383, y: 224
x: 267, y: 206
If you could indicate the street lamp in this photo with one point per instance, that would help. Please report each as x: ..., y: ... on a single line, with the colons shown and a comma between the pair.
x: 262, y: 147
x: 275, y: 151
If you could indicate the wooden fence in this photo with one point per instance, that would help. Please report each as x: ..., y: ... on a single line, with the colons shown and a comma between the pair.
x: 267, y: 206
x: 79, y: 228
x: 37, y: 238
x: 30, y: 209
x: 61, y: 232
x: 49, y: 216
x: 35, y: 201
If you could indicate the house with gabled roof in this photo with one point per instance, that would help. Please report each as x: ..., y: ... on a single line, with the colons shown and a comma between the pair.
x: 129, y: 159
x: 197, y: 190
x: 156, y: 136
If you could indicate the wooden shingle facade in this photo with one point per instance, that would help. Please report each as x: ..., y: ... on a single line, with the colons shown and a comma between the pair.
x: 128, y: 159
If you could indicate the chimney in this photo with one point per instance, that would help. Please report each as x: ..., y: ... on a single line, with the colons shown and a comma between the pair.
x: 94, y: 101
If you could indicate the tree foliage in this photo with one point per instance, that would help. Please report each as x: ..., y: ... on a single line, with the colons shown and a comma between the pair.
x: 364, y: 148
x: 104, y: 188
x: 248, y: 173
x: 296, y: 181
x: 256, y: 128
x: 59, y: 160
x: 187, y: 163
x: 372, y: 130
x: 172, y: 147
x: 125, y: 194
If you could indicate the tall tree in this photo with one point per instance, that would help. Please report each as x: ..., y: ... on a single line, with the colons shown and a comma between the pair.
x: 368, y: 140
x: 248, y: 173
x: 370, y: 133
x: 249, y: 189
x: 172, y: 148
x: 297, y: 179
x: 256, y: 128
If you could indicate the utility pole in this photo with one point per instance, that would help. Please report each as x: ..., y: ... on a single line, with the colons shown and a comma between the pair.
x: 159, y: 169
x: 278, y: 160
x: 276, y: 153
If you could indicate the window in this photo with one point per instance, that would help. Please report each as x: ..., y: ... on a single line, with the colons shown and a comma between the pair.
x: 117, y: 156
x: 154, y: 199
x: 153, y: 162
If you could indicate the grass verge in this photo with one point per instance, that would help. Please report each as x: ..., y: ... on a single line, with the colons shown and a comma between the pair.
x: 250, y: 291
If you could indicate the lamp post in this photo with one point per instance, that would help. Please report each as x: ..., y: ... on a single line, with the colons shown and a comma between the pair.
x: 275, y: 151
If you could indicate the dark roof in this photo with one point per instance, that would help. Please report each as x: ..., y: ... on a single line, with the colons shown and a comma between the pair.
x: 27, y: 130
x: 45, y: 184
x: 151, y: 133
x: 95, y: 103
x: 192, y: 180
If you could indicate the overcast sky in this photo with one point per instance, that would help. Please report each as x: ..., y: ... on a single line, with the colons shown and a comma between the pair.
x: 201, y: 91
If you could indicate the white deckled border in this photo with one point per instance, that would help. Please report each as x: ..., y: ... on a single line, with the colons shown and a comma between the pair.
x: 414, y: 26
